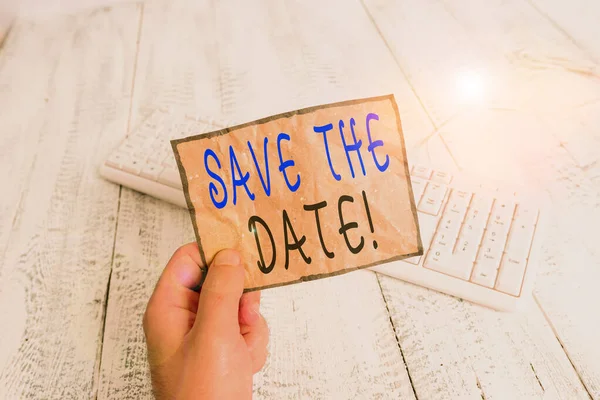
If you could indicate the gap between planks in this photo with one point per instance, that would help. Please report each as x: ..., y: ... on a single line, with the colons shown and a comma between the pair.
x: 96, y: 380
x: 105, y: 306
x: 555, y: 332
x: 387, y: 310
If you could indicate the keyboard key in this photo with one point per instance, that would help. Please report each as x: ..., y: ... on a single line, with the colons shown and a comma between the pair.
x: 418, y: 187
x: 157, y: 157
x: 156, y: 147
x: 133, y: 166
x: 487, y: 264
x: 485, y: 270
x: 465, y: 250
x: 458, y: 202
x: 442, y: 260
x: 472, y: 229
x: 510, y: 276
x: 421, y: 172
x: 151, y: 171
x: 499, y: 223
x: 169, y: 162
x: 117, y: 159
x: 441, y: 177
x: 127, y: 147
x: 432, y: 199
x: 443, y: 241
x: 488, y: 259
x: 454, y: 213
x: 503, y: 211
x: 519, y: 240
x: 526, y: 215
x: 171, y: 178
x: 478, y: 212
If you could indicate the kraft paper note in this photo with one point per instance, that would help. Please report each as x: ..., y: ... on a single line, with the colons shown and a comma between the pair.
x: 303, y: 195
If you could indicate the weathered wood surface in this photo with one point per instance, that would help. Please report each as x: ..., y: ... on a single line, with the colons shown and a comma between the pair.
x: 535, y: 122
x: 65, y: 89
x: 66, y: 236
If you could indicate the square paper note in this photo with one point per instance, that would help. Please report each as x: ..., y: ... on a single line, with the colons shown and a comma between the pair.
x: 303, y: 195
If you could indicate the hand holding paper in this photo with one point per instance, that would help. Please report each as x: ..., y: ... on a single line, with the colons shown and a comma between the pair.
x: 303, y: 195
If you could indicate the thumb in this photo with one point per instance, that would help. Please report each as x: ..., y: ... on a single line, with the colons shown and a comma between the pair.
x: 218, y: 306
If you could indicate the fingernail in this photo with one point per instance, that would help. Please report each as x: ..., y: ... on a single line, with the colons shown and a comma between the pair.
x: 227, y: 257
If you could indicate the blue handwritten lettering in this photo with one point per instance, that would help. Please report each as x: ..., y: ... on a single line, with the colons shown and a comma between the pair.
x: 283, y: 165
x: 352, y: 147
x: 374, y: 144
x: 212, y: 188
x: 324, y: 129
x: 243, y: 178
x: 266, y: 186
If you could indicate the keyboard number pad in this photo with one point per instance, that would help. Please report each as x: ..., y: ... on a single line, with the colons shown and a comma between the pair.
x: 472, y: 230
x: 494, y: 241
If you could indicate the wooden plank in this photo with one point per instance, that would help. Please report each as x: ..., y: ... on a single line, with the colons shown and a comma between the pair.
x: 507, y: 121
x: 239, y: 61
x: 576, y: 19
x: 64, y: 94
x: 456, y: 349
x: 501, y: 56
x: 543, y: 62
x: 148, y: 233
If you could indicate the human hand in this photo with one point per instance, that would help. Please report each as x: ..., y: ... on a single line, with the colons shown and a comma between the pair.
x: 204, y: 345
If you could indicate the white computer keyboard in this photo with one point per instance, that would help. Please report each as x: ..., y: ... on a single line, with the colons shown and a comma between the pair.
x: 144, y: 160
x: 480, y: 243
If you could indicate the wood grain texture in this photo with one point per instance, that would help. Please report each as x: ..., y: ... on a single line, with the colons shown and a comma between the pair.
x: 241, y: 62
x: 331, y: 339
x: 500, y: 57
x: 456, y: 349
x: 577, y: 20
x: 149, y: 231
x: 64, y: 94
x: 519, y: 131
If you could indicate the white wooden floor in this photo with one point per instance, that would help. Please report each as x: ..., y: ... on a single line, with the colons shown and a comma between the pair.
x: 79, y: 256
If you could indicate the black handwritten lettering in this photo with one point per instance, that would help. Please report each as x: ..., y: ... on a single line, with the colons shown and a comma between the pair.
x: 345, y: 227
x: 364, y: 195
x: 316, y: 208
x: 297, y: 245
x: 252, y: 228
